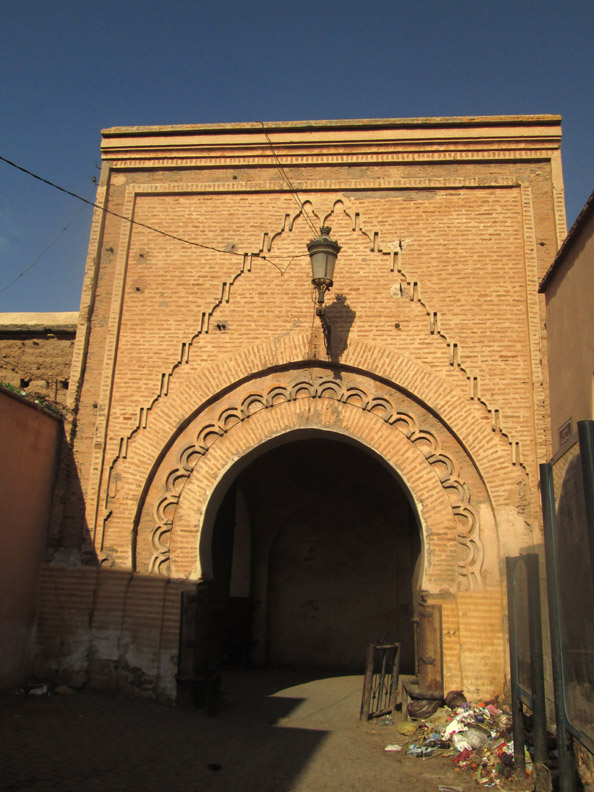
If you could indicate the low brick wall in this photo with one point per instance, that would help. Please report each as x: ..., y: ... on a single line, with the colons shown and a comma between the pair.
x: 108, y: 629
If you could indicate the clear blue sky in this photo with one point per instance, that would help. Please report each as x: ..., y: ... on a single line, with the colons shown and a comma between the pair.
x: 69, y: 68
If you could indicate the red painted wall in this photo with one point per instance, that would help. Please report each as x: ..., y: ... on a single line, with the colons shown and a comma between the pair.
x: 28, y: 443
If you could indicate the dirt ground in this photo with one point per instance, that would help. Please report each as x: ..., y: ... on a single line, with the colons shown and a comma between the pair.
x: 274, y: 732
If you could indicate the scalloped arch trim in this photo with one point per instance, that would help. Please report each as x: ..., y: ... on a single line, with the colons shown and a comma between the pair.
x: 322, y: 388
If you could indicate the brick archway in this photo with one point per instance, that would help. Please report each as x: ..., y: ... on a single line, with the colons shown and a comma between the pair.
x: 281, y: 440
x: 139, y: 463
x: 446, y: 489
x: 436, y: 516
x: 312, y: 547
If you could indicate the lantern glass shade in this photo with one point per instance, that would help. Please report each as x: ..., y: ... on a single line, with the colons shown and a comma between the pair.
x: 322, y: 265
x: 323, y: 252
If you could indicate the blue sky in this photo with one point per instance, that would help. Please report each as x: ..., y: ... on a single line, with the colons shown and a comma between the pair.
x: 69, y: 68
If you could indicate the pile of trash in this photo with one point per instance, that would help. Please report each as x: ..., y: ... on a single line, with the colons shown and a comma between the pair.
x: 477, y: 736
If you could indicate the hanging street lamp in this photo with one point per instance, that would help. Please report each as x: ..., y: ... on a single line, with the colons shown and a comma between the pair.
x: 323, y: 253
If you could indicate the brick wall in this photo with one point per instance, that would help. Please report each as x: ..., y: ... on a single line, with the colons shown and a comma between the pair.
x: 108, y: 629
x: 199, y: 346
x: 36, y: 352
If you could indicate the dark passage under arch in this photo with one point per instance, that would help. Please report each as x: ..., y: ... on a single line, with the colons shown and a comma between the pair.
x: 315, y: 553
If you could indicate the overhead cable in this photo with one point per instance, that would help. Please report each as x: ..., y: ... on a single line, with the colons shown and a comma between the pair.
x: 289, y: 185
x: 37, y: 258
x: 146, y: 225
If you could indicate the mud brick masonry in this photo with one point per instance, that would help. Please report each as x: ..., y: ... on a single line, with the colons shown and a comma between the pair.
x: 36, y: 352
x: 216, y: 438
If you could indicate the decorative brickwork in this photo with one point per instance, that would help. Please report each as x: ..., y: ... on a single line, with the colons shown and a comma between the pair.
x: 402, y: 288
x: 322, y: 388
x: 198, y: 348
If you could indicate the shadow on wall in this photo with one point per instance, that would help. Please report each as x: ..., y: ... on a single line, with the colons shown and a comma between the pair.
x: 69, y: 540
x: 340, y: 316
x: 108, y: 629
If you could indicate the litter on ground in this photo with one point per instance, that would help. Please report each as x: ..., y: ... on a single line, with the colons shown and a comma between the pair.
x: 478, y: 738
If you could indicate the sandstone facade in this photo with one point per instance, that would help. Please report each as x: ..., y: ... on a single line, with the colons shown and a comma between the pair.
x: 200, y: 375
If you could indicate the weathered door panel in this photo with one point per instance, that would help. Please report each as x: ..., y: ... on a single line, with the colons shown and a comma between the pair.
x: 430, y: 649
x: 200, y: 649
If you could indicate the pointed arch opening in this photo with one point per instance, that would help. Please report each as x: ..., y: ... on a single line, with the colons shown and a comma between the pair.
x: 311, y: 546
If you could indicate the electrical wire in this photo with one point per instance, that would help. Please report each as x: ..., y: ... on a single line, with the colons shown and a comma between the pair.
x: 145, y: 225
x: 43, y: 252
x: 288, y: 181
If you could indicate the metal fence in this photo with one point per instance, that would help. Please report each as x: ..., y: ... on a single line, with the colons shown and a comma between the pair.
x: 526, y: 655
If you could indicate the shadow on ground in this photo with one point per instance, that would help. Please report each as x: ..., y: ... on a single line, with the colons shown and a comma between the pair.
x: 275, y: 731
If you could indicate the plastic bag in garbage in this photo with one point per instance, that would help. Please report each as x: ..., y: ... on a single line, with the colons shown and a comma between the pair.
x: 457, y: 724
x: 456, y: 698
x: 421, y: 709
x: 421, y: 750
x: 472, y: 738
x: 38, y: 690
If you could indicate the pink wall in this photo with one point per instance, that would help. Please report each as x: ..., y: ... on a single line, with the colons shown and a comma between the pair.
x: 28, y: 443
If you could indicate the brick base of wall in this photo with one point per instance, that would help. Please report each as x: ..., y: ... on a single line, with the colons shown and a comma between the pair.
x: 117, y: 630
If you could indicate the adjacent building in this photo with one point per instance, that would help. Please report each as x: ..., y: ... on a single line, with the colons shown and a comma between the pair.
x: 569, y: 289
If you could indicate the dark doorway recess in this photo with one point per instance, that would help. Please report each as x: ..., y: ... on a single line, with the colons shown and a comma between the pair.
x: 315, y: 554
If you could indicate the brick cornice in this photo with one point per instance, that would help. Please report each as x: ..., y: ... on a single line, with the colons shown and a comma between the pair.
x: 332, y: 141
x: 340, y: 124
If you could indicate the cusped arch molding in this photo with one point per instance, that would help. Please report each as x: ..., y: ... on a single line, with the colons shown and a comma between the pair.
x: 129, y: 471
x: 442, y: 465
